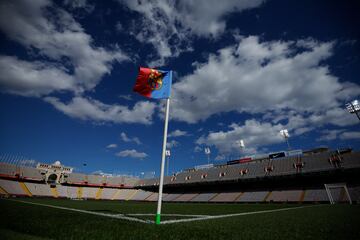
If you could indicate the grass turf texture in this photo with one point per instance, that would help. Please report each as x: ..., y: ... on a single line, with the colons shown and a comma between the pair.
x: 23, y: 221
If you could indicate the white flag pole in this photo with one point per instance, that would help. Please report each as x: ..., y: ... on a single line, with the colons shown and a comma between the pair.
x: 158, y: 212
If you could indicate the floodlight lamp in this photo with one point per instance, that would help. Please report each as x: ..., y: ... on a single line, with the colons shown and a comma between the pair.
x: 284, y: 133
x: 167, y: 153
x: 353, y: 106
x: 207, y: 150
x: 242, y: 145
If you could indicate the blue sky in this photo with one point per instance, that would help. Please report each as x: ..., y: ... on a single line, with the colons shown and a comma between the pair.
x: 242, y: 70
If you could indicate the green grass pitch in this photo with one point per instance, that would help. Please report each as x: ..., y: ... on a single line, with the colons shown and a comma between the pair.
x: 23, y: 221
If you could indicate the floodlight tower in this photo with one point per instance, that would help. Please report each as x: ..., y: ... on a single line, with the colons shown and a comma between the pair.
x: 207, y: 152
x: 354, y: 107
x: 285, y: 134
x: 167, y: 154
x: 241, y: 145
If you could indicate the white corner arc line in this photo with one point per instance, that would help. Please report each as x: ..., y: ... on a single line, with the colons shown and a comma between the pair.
x: 117, y: 216
x: 233, y: 215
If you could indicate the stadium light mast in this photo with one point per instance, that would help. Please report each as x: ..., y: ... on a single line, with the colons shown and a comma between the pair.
x: 285, y: 134
x: 207, y: 152
x: 167, y: 154
x: 242, y: 145
x: 354, y: 107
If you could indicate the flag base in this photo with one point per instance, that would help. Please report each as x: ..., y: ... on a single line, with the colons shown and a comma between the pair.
x: 157, y: 219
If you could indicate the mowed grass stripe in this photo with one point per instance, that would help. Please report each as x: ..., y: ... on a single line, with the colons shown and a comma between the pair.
x: 116, y: 216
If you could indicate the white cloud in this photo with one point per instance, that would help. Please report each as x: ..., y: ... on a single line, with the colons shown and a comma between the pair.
x: 49, y: 32
x: 93, y: 110
x: 264, y: 77
x: 112, y: 145
x: 169, y: 25
x: 178, y: 133
x: 350, y: 135
x: 32, y: 78
x: 127, y: 97
x: 254, y: 133
x: 132, y: 153
x: 198, y: 149
x: 172, y: 144
x: 79, y: 4
x: 125, y: 138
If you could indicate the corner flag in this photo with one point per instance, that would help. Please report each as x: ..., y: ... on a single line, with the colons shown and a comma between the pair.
x: 153, y: 83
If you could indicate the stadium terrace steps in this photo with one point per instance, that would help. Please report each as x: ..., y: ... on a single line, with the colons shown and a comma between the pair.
x: 79, y: 192
x: 285, y: 196
x: 25, y: 189
x: 88, y: 192
x: 203, y: 197
x: 140, y: 195
x: 108, y: 193
x: 99, y: 193
x: 316, y: 195
x: 42, y: 190
x: 12, y: 187
x: 226, y: 197
x: 186, y: 197
x: 153, y: 197
x: 54, y: 192
x: 253, y: 196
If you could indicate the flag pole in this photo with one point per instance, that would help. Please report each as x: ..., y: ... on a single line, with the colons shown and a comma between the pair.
x: 158, y: 211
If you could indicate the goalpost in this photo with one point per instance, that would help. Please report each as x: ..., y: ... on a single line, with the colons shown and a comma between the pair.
x: 335, y: 186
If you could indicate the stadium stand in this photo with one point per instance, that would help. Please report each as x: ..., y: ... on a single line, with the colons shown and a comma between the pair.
x: 316, y: 195
x: 8, y: 170
x: 12, y: 187
x: 42, y: 190
x: 285, y: 196
x: 31, y: 174
x: 186, y: 197
x: 108, y: 193
x: 76, y: 178
x: 89, y: 192
x: 298, y: 178
x: 226, y: 197
x: 140, y: 195
x: 203, y: 197
x: 253, y: 196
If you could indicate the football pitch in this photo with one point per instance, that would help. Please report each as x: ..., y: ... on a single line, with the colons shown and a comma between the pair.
x: 24, y: 218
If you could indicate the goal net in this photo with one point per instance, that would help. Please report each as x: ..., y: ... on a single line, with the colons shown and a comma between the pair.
x: 338, y: 193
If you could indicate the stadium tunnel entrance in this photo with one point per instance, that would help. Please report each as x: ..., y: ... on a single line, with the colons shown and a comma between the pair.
x: 52, y: 178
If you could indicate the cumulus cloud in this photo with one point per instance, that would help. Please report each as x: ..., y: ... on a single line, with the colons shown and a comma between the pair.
x: 264, y: 77
x: 169, y: 25
x: 125, y: 138
x: 93, y: 110
x: 172, y: 144
x: 132, y: 154
x: 255, y: 133
x: 69, y: 59
x: 178, y: 133
x: 350, y: 135
x: 112, y: 145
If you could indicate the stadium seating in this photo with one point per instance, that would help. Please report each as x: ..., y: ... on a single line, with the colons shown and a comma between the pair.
x: 203, y: 197
x: 31, y: 173
x: 12, y: 187
x: 316, y: 195
x: 37, y: 189
x: 253, y: 196
x: 76, y: 178
x: 7, y: 169
x: 226, y: 197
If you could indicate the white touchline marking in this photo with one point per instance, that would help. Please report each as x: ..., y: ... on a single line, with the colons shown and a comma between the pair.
x: 168, y: 215
x: 117, y: 216
x: 233, y: 215
x: 195, y: 217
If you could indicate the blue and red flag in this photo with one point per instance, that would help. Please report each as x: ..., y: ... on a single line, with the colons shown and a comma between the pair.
x: 153, y: 83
